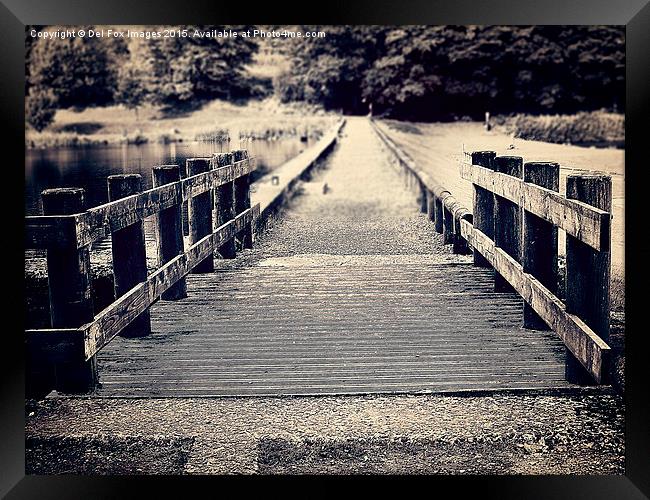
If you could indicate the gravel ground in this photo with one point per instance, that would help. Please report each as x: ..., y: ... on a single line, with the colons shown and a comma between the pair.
x: 541, y: 433
x: 358, y: 205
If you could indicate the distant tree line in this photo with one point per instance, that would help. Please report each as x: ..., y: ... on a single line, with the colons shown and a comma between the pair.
x: 170, y: 72
x: 408, y: 72
x: 446, y: 72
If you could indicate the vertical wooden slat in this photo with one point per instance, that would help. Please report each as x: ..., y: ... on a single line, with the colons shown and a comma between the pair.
x: 199, y: 213
x: 483, y: 204
x: 540, y: 247
x: 129, y: 253
x: 169, y: 230
x: 507, y: 218
x: 588, y: 270
x: 225, y: 205
x: 69, y: 280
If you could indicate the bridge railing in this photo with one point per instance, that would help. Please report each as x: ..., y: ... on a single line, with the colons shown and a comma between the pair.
x: 217, y: 193
x: 513, y: 228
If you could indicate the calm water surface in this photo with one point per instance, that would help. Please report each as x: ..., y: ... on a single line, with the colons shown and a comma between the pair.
x: 89, y: 166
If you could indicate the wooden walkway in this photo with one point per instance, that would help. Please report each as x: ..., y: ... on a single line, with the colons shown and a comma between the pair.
x: 352, y: 292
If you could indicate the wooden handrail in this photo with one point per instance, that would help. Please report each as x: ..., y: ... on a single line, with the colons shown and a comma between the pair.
x: 585, y: 222
x: 98, y: 222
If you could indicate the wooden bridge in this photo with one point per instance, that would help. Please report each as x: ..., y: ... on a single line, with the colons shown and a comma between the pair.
x: 356, y: 288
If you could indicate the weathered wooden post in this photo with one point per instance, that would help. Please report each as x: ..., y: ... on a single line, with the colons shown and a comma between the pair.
x: 507, y: 218
x: 439, y: 214
x: 460, y: 244
x: 185, y: 204
x: 539, y: 247
x: 129, y: 253
x: 169, y: 229
x: 70, y: 287
x: 423, y: 198
x: 199, y: 213
x: 225, y: 205
x: 588, y: 270
x: 447, y: 225
x: 431, y: 206
x: 483, y: 204
x: 243, y: 199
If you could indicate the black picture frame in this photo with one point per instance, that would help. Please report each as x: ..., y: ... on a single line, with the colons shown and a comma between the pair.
x: 634, y: 14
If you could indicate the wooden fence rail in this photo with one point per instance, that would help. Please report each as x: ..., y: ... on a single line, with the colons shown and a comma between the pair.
x: 217, y: 191
x: 513, y: 229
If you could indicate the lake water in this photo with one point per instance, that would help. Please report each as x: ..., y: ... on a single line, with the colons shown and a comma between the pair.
x: 89, y: 166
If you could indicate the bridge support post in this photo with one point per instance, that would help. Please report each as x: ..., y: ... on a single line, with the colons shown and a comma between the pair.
x: 507, y: 218
x: 460, y: 244
x: 70, y: 285
x: 423, y: 199
x: 225, y: 205
x: 431, y: 206
x: 448, y: 226
x: 129, y: 253
x: 588, y: 270
x: 169, y: 229
x: 199, y: 213
x: 540, y: 247
x: 439, y: 214
x: 243, y: 199
x: 483, y: 204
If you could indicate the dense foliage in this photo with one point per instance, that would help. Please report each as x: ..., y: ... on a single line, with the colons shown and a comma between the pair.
x: 172, y: 72
x: 330, y: 70
x: 193, y: 68
x: 438, y: 72
x: 407, y: 72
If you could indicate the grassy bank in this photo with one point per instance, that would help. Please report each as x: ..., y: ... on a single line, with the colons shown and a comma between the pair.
x: 597, y: 128
x: 215, y: 121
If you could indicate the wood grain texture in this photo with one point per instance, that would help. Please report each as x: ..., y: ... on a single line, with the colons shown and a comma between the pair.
x: 507, y: 217
x: 169, y: 228
x: 128, y: 251
x: 71, y: 302
x: 587, y: 223
x: 588, y: 270
x: 199, y: 215
x: 540, y: 239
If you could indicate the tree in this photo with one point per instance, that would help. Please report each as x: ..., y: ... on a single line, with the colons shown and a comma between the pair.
x: 195, y: 68
x: 80, y: 72
x: 131, y: 88
x: 329, y: 70
x: 442, y: 72
x: 40, y: 107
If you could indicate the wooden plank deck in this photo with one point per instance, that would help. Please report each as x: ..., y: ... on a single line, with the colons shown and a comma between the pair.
x: 283, y: 328
x: 351, y: 292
